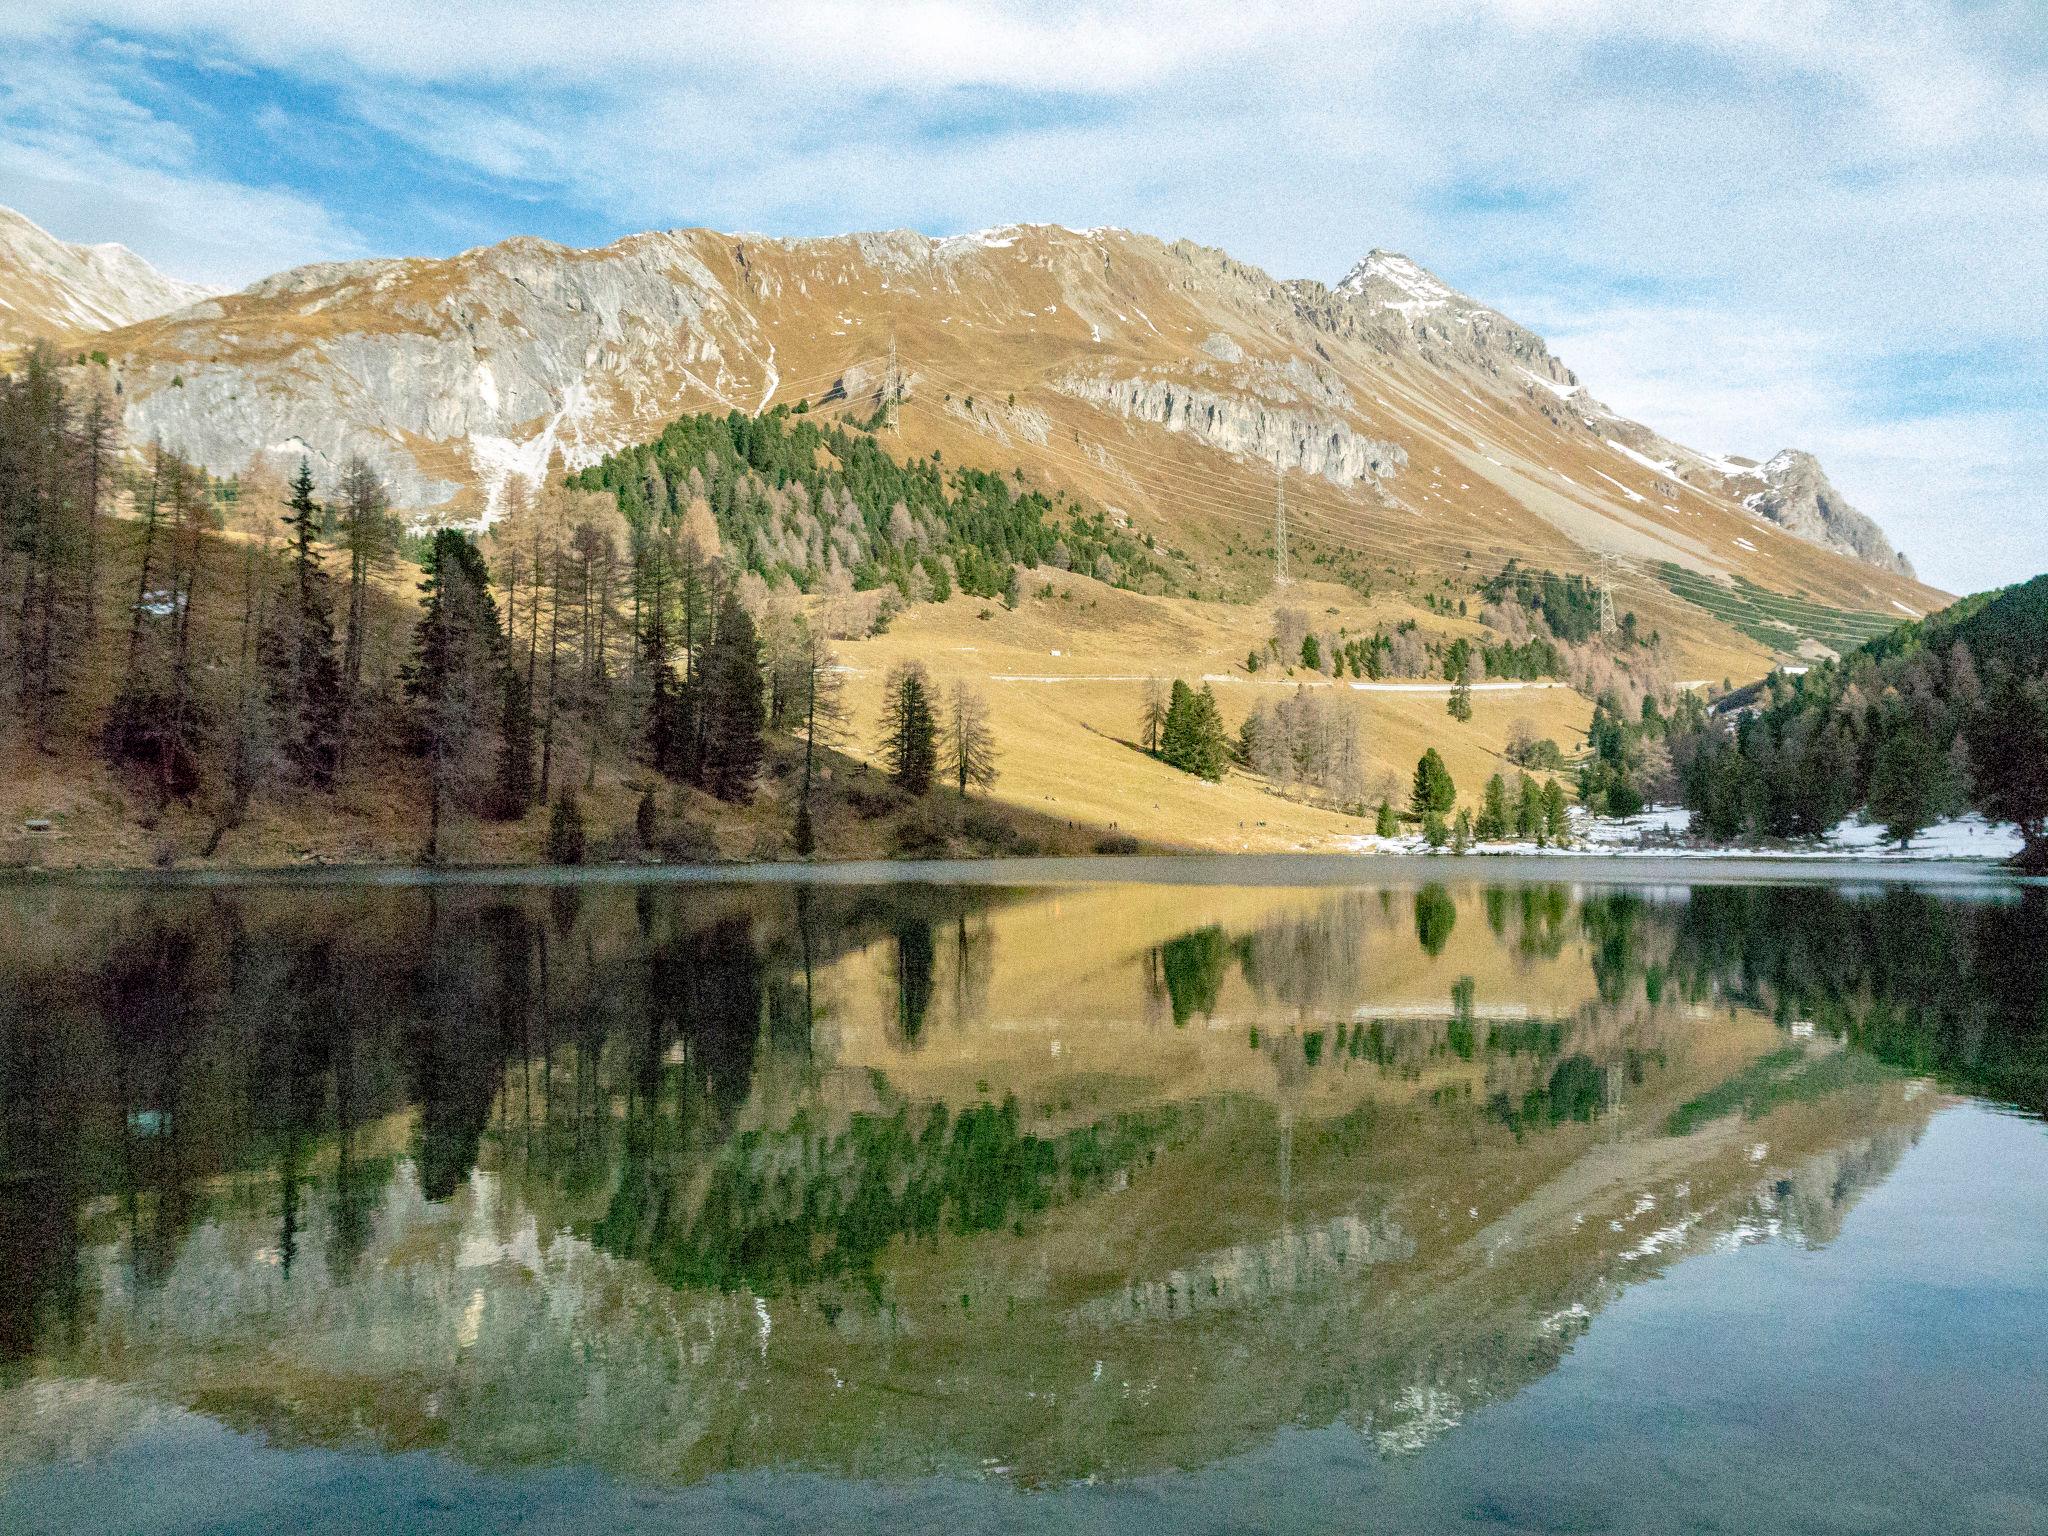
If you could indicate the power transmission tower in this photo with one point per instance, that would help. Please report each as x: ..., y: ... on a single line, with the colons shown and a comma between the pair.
x: 892, y: 384
x: 1606, y: 595
x: 1280, y: 576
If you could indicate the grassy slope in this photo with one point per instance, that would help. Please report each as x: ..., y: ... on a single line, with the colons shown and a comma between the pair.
x: 1070, y: 769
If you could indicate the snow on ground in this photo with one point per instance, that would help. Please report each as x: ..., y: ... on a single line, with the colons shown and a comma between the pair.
x: 1661, y: 466
x: 1663, y: 829
x: 1562, y: 391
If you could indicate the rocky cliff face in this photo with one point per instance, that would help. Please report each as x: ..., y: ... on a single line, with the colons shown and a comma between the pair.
x: 1165, y: 380
x: 1797, y: 496
x: 49, y: 288
x: 1319, y: 444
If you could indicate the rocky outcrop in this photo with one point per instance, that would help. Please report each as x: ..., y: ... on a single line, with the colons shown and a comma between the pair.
x: 525, y: 354
x: 1797, y: 496
x: 49, y: 288
x: 1287, y: 439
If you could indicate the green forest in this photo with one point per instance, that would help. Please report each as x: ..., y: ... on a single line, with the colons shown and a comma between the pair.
x: 798, y: 499
x: 1940, y: 716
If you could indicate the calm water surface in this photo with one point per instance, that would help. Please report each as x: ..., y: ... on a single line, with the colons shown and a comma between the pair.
x: 1096, y: 1207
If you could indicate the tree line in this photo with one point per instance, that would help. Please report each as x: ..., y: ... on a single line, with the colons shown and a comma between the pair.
x: 1944, y: 715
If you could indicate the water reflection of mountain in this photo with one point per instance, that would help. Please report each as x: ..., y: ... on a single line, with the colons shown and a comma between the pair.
x: 889, y: 1179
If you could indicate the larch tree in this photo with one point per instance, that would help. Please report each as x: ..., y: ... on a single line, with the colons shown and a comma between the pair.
x: 48, y: 532
x: 1152, y: 715
x: 970, y: 749
x: 823, y: 720
x: 370, y: 535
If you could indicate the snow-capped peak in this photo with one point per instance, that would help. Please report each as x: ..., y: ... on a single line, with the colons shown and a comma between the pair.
x: 1397, y: 283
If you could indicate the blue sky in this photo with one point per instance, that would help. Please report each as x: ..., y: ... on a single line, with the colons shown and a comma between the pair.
x: 1754, y: 226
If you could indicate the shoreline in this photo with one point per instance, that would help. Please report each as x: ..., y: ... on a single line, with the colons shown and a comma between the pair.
x: 1551, y: 866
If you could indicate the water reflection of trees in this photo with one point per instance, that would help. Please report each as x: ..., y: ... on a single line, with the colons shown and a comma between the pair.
x: 606, y: 1048
x: 176, y: 1043
x: 633, y: 1071
x: 1953, y: 989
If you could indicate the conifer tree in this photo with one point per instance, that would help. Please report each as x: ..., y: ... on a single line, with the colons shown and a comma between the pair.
x: 1384, y: 824
x: 457, y: 678
x: 1192, y: 737
x: 1492, y: 824
x: 910, y: 735
x: 823, y: 716
x: 565, y: 830
x: 1557, y: 825
x: 1152, y: 714
x: 2008, y: 737
x: 732, y: 711
x: 48, y: 532
x: 1431, y: 789
x: 297, y: 651
x: 512, y: 794
x: 371, y: 538
x: 1905, y: 783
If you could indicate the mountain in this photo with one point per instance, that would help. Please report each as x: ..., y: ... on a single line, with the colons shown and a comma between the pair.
x: 1415, y: 429
x: 49, y: 287
x: 1796, y: 495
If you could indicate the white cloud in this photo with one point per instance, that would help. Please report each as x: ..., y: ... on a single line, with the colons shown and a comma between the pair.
x: 1958, y: 490
x: 89, y: 163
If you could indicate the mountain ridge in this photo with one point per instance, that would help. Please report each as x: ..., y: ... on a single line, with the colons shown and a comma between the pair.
x: 45, y: 281
x: 1097, y: 358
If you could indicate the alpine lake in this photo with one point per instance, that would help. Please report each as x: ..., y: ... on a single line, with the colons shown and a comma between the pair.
x: 1153, y: 1196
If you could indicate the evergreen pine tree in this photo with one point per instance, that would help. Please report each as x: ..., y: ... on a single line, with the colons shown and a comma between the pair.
x: 1384, y: 824
x: 457, y: 677
x: 565, y: 830
x: 1492, y: 824
x: 910, y: 745
x: 1905, y: 783
x: 733, y: 709
x: 297, y: 649
x: 1557, y: 825
x: 1193, y: 739
x: 1431, y: 789
x: 512, y: 794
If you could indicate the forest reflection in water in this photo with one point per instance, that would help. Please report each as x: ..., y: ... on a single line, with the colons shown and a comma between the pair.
x: 893, y: 1180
